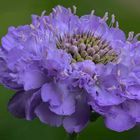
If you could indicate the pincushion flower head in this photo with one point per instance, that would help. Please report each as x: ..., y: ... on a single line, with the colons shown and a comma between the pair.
x: 67, y: 70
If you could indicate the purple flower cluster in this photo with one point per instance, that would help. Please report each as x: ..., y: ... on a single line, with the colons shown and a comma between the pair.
x: 64, y: 68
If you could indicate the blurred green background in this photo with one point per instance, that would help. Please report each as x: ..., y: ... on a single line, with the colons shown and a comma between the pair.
x: 17, y: 12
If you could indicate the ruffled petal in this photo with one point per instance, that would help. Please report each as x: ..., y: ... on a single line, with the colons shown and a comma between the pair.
x: 77, y: 121
x: 105, y: 98
x: 61, y: 100
x: 119, y: 120
x: 16, y: 37
x: 46, y: 116
x: 17, y: 105
x: 31, y: 104
x: 23, y: 104
x: 86, y: 66
x: 133, y: 92
x: 32, y: 77
x: 133, y: 108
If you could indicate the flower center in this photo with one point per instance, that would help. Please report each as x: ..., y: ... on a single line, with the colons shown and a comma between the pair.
x: 87, y: 47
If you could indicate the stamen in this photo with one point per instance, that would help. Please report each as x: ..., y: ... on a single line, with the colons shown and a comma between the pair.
x: 74, y: 9
x: 69, y: 9
x: 87, y: 47
x: 105, y: 17
x: 118, y: 72
x: 92, y: 12
x: 44, y: 21
x: 43, y: 13
x: 112, y: 88
x: 117, y: 24
x: 32, y: 26
x: 112, y: 20
x: 137, y: 36
x: 54, y: 10
x: 60, y: 9
x: 130, y: 36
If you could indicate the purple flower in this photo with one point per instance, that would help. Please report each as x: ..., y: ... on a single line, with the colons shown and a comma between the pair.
x: 64, y: 68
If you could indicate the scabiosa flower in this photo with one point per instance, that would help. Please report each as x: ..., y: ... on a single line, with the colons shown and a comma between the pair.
x: 65, y: 68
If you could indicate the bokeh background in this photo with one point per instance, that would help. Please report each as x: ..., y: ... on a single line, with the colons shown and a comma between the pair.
x: 17, y: 12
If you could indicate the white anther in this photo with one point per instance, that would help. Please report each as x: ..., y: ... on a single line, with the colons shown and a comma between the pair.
x: 54, y: 10
x: 44, y: 21
x: 112, y: 88
x: 74, y: 9
x: 38, y: 24
x: 117, y: 24
x: 60, y: 8
x: 137, y: 36
x: 105, y: 17
x: 92, y: 12
x: 130, y: 36
x: 43, y: 13
x: 119, y: 72
x: 32, y: 26
x: 113, y: 19
x: 69, y: 9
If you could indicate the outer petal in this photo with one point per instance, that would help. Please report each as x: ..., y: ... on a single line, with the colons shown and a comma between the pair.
x: 32, y: 77
x: 61, y: 100
x: 8, y: 82
x: 133, y: 108
x: 3, y: 71
x: 119, y: 120
x: 66, y: 108
x: 31, y: 104
x: 22, y: 104
x: 103, y: 97
x: 99, y: 109
x: 5, y: 74
x: 50, y: 93
x: 133, y: 92
x: 46, y: 116
x: 17, y: 105
x: 16, y: 37
x: 77, y: 121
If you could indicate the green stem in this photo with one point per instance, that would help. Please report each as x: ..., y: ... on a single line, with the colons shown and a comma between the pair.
x: 72, y: 136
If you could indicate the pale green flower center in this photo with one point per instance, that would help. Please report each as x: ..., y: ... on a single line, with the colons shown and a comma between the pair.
x: 87, y: 47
